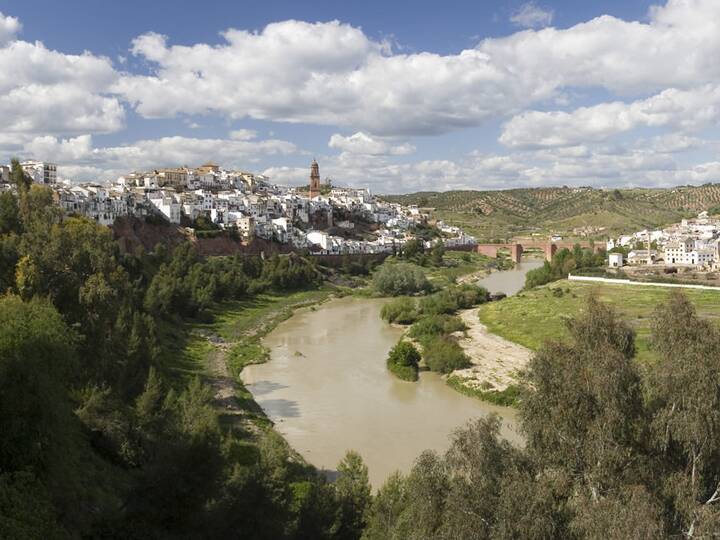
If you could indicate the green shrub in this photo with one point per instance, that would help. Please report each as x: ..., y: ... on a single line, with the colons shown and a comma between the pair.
x: 468, y: 295
x: 401, y: 310
x: 449, y: 300
x: 510, y: 397
x: 438, y: 303
x: 401, y: 278
x: 403, y: 361
x: 431, y: 326
x: 444, y: 355
x: 406, y: 373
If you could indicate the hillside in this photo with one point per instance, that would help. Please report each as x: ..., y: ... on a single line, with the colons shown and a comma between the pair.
x: 499, y: 215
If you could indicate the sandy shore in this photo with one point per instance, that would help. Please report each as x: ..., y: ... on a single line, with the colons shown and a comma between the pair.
x: 496, y: 361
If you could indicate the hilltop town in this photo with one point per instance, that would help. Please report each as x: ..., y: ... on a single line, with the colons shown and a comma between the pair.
x: 207, y: 200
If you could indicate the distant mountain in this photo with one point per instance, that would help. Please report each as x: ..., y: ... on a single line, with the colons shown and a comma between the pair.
x: 578, y: 212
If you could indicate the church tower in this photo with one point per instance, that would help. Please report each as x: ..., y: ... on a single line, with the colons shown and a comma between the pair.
x: 314, y: 180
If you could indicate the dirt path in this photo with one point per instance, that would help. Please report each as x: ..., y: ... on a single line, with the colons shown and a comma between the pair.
x: 496, y: 361
x: 220, y: 380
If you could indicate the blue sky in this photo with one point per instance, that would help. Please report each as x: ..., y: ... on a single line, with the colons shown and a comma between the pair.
x: 400, y: 96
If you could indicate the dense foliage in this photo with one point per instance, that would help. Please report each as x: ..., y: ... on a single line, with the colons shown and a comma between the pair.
x: 400, y: 278
x: 434, y: 322
x: 101, y: 439
x: 563, y: 262
x: 403, y: 361
x: 612, y: 451
x: 443, y: 355
x: 402, y: 310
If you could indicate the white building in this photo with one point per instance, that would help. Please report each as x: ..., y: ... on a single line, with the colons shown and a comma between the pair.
x: 615, y: 260
x: 41, y: 172
x: 688, y: 251
x: 167, y: 205
x: 642, y: 256
x: 320, y: 238
x: 680, y: 251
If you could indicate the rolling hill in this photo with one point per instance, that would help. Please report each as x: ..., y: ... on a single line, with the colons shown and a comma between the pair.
x: 571, y: 212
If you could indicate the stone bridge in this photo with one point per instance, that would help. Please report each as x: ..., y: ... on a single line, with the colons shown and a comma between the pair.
x: 517, y: 249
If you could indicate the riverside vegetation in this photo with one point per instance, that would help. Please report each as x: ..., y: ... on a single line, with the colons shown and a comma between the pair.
x: 611, y: 451
x: 563, y: 262
x: 107, y: 434
x: 107, y: 431
x: 432, y: 323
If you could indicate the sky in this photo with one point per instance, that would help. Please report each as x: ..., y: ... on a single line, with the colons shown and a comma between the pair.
x: 396, y: 96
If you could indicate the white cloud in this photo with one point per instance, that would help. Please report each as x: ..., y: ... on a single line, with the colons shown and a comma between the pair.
x: 333, y: 74
x: 361, y: 143
x: 9, y: 28
x: 607, y: 166
x: 672, y: 143
x: 530, y: 15
x: 79, y: 159
x: 685, y: 110
x: 243, y: 134
x: 44, y: 91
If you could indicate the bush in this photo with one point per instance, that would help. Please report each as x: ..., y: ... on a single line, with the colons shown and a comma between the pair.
x: 432, y: 326
x: 453, y: 298
x: 406, y: 373
x: 399, y: 279
x: 439, y: 303
x: 444, y: 355
x: 290, y: 272
x: 401, y: 310
x: 403, y: 361
x: 564, y: 262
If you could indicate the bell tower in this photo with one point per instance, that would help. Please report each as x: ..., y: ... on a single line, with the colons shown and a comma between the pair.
x: 314, y: 180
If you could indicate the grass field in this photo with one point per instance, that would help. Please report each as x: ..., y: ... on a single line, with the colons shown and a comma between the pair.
x: 532, y: 317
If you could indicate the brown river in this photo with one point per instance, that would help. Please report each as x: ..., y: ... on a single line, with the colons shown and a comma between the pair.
x: 327, y: 389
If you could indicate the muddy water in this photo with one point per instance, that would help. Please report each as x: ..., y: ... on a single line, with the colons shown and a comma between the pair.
x: 327, y: 390
x: 509, y: 281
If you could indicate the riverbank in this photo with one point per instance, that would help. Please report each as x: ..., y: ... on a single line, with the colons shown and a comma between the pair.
x: 327, y: 389
x: 218, y: 350
x: 496, y: 363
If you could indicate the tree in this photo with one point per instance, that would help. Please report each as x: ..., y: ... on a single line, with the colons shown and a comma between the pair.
x: 18, y: 176
x: 386, y: 509
x: 352, y: 489
x: 444, y: 355
x: 477, y: 462
x: 426, y: 491
x: 37, y: 356
x: 413, y: 248
x: 39, y: 442
x: 437, y: 253
x: 685, y: 386
x: 631, y: 513
x: 399, y: 279
x: 403, y: 360
x: 586, y: 413
x: 9, y: 214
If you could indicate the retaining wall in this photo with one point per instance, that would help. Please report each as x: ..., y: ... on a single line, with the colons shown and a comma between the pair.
x: 641, y: 283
